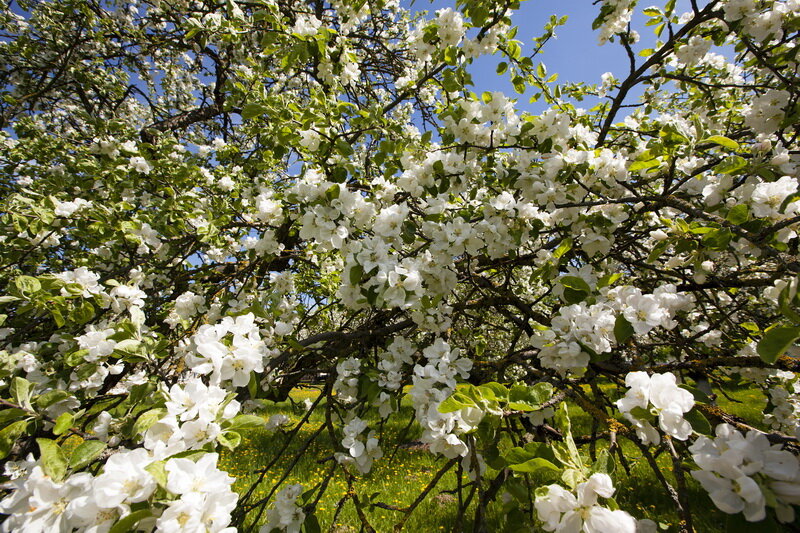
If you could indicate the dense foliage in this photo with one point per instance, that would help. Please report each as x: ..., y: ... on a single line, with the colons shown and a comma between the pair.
x: 207, y: 203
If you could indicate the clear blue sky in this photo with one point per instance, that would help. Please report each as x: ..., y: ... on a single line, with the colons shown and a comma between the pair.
x: 575, y: 53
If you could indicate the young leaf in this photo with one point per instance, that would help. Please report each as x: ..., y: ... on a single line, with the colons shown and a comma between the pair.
x: 623, y: 330
x: 63, y: 423
x: 54, y: 462
x: 85, y: 453
x: 776, y: 341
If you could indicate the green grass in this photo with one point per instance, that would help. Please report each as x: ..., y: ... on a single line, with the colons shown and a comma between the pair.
x: 398, y: 480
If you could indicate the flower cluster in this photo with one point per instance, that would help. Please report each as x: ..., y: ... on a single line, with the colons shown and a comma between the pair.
x: 228, y: 351
x: 562, y: 510
x: 656, y: 395
x: 783, y: 408
x: 199, y: 496
x: 285, y: 514
x: 433, y: 383
x: 346, y: 385
x: 362, y: 450
x: 582, y: 329
x: 745, y: 474
x: 195, y: 412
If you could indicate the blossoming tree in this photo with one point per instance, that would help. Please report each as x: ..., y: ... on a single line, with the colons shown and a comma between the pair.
x: 206, y: 203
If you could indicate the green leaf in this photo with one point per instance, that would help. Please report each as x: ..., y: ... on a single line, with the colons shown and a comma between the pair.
x: 63, y: 423
x: 9, y: 435
x: 27, y: 285
x: 563, y: 247
x: 534, y: 465
x: 576, y: 283
x: 776, y: 341
x: 494, y: 391
x: 699, y: 422
x: 229, y: 439
x: 738, y: 214
x: 449, y: 82
x: 247, y: 422
x: 344, y: 147
x: 541, y: 392
x: 58, y: 316
x: 456, y: 402
x: 21, y: 392
x: 8, y: 415
x: 525, y: 398
x: 147, y: 419
x: 731, y: 165
x: 657, y: 250
x: 603, y: 464
x: 51, y: 397
x: 85, y: 453
x: 643, y: 165
x: 718, y: 239
x: 671, y: 137
x: 158, y: 470
x: 127, y: 523
x: 83, y: 313
x: 572, y: 476
x: 333, y: 192
x: 311, y: 524
x: 575, y: 289
x: 54, y: 462
x: 253, y: 110
x: 252, y: 385
x: 785, y: 302
x: 623, y: 330
x: 721, y: 141
x: 519, y: 455
x: 640, y: 413
x: 519, y: 84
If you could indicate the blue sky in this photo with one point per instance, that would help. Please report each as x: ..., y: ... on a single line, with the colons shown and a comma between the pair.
x: 575, y: 53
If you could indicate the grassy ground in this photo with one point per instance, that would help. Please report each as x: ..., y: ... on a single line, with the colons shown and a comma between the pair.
x: 400, y: 480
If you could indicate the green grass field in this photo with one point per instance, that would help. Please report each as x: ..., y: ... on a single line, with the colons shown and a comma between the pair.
x: 405, y: 470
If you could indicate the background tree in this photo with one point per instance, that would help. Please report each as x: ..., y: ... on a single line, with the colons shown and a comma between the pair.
x: 207, y: 203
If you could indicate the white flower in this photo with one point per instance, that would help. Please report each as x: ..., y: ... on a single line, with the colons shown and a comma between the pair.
x: 67, y: 209
x: 39, y: 505
x: 197, y: 512
x: 102, y: 424
x: 734, y: 495
x: 561, y: 510
x: 643, y: 312
x: 124, y: 479
x: 196, y: 399
x: 389, y: 221
x: 97, y: 343
x: 306, y: 25
x: 285, y: 515
x: 738, y: 471
x: 84, y: 278
x: 185, y: 475
x: 310, y: 140
x: 199, y: 431
x: 767, y: 197
x: 660, y: 395
x: 234, y: 361
x: 140, y: 164
x: 361, y: 451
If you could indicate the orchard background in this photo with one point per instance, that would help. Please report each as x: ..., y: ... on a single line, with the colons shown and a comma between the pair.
x: 278, y: 265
